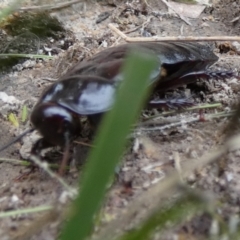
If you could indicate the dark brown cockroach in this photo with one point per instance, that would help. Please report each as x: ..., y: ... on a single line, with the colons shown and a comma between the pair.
x: 89, y: 88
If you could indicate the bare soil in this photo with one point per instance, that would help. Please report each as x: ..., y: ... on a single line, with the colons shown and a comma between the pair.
x: 144, y: 166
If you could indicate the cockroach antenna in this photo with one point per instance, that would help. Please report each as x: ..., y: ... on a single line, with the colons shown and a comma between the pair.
x: 17, y: 139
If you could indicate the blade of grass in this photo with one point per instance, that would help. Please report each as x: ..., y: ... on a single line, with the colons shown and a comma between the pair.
x: 8, y: 10
x: 25, y: 211
x: 13, y: 120
x: 23, y: 55
x: 26, y: 163
x: 186, y: 206
x: 24, y: 114
x: 109, y: 144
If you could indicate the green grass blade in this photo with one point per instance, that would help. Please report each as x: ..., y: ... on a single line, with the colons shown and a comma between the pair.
x: 8, y: 10
x: 23, y: 55
x: 188, y: 205
x: 13, y: 120
x: 109, y: 144
x: 16, y: 212
x: 24, y: 114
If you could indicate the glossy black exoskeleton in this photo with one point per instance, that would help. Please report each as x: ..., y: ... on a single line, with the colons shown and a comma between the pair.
x: 89, y: 88
x: 56, y: 115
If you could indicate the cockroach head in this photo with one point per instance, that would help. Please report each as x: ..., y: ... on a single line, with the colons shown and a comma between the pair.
x: 56, y: 124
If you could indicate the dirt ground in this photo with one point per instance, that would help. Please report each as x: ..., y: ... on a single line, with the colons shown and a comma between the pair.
x: 144, y: 166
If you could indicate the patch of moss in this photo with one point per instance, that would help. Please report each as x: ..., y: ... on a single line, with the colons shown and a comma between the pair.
x: 39, y: 23
x: 26, y: 32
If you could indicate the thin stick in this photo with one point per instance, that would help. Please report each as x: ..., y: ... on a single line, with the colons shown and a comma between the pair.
x: 172, y: 39
x: 204, y: 106
x: 26, y: 211
x: 64, y: 162
x: 84, y: 144
x: 44, y: 166
x: 47, y: 79
x: 144, y: 25
x: 50, y: 7
x: 191, y: 120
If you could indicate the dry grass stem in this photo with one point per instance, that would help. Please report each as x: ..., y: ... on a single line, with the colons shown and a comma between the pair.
x: 172, y: 39
x: 185, y: 121
x: 44, y: 166
x: 50, y: 6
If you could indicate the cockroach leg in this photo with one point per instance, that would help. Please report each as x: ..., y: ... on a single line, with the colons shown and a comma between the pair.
x: 39, y: 146
x: 23, y: 176
x: 64, y: 162
x: 192, y: 77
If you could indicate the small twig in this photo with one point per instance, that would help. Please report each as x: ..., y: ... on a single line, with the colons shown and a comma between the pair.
x: 50, y: 6
x: 44, y: 166
x: 142, y: 26
x: 132, y: 30
x: 172, y: 39
x: 171, y: 125
x: 84, y: 144
x: 48, y: 79
x: 159, y: 120
x: 164, y: 114
x: 25, y: 211
x: 225, y: 57
x: 64, y: 162
x: 177, y: 164
x: 193, y: 119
